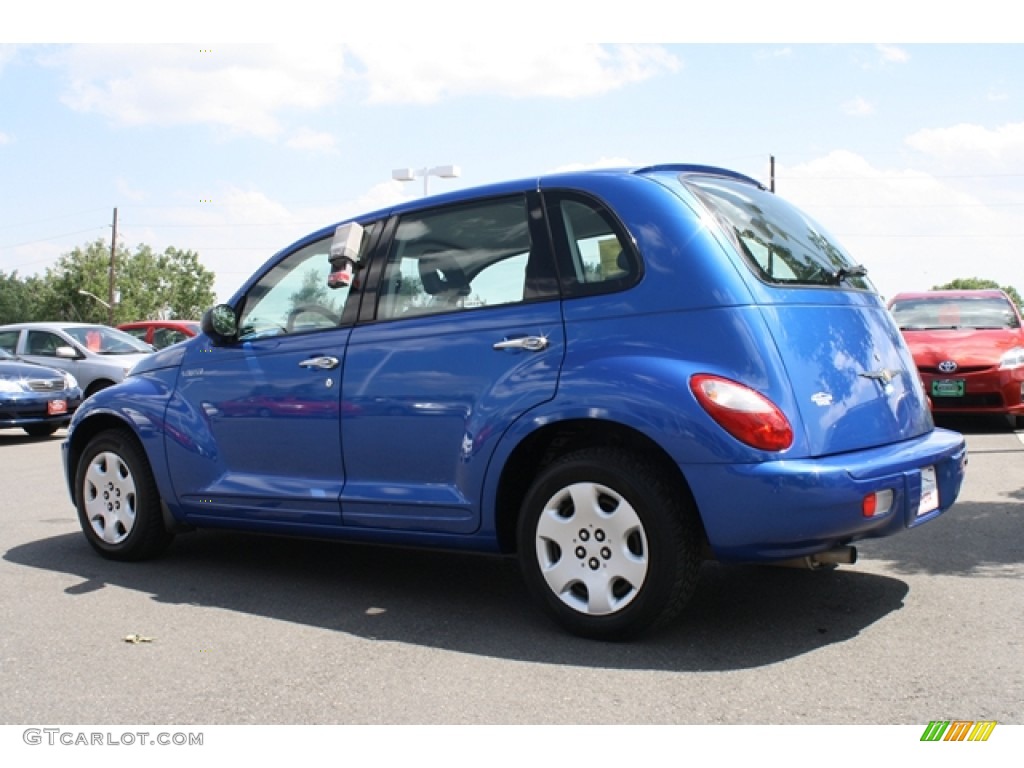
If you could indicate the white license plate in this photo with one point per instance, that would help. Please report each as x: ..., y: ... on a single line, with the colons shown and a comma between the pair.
x: 929, y: 492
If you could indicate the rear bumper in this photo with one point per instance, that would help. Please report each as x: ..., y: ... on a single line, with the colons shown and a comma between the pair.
x: 793, y: 508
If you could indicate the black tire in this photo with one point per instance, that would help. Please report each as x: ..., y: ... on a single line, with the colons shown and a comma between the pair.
x: 118, y: 503
x: 41, y: 430
x: 607, y: 546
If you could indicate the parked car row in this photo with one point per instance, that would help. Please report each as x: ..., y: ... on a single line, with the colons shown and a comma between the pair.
x: 612, y: 374
x: 46, y: 369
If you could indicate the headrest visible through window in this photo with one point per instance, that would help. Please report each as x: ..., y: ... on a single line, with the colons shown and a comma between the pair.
x: 440, y: 273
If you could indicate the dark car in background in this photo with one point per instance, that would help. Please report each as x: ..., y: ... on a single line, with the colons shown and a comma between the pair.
x: 161, y: 333
x: 35, y: 398
x: 968, y: 346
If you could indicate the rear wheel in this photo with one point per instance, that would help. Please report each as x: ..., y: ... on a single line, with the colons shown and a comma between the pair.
x: 606, y: 545
x: 117, y: 499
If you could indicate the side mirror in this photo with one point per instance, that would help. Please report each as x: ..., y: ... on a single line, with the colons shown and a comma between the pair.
x: 68, y: 353
x: 220, y: 323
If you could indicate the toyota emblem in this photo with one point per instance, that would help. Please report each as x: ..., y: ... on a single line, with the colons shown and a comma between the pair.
x: 947, y: 366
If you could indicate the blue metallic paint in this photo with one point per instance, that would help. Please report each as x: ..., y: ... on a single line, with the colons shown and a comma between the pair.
x: 428, y: 414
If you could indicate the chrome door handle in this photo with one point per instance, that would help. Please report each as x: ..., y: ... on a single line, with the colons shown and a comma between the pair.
x: 529, y: 343
x: 323, y: 362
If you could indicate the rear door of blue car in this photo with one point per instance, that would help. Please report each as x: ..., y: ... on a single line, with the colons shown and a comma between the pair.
x: 464, y: 336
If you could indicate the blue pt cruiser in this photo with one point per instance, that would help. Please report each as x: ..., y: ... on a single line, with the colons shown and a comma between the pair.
x: 613, y: 375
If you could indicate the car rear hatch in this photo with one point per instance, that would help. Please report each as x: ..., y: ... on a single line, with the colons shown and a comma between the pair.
x: 852, y: 376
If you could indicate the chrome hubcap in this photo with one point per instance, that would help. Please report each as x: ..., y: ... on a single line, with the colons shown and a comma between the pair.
x: 592, y: 549
x: 109, y: 495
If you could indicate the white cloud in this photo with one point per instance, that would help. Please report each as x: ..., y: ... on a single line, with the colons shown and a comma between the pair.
x: 402, y: 73
x: 891, y: 54
x: 601, y: 162
x: 774, y: 53
x: 912, y: 229
x: 251, y: 89
x: 858, y: 107
x: 7, y: 53
x: 313, y: 141
x: 968, y: 143
x: 5, y: 139
x: 242, y: 88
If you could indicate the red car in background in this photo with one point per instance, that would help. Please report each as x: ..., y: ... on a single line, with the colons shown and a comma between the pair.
x: 969, y: 348
x: 162, y: 333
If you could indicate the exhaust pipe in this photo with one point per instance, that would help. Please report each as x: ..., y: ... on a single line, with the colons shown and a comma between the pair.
x: 822, y: 560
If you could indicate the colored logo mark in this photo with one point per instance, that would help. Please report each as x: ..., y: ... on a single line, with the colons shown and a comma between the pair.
x: 958, y: 730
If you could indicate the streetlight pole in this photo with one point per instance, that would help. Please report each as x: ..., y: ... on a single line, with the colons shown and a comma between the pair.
x: 441, y: 171
x: 84, y: 292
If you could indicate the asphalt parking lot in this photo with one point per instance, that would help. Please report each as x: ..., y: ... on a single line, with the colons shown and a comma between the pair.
x: 245, y: 629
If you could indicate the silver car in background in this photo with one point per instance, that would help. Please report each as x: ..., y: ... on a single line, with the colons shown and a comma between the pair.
x: 96, y: 355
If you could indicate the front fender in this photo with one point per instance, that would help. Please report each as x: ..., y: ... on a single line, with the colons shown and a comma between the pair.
x: 137, y: 405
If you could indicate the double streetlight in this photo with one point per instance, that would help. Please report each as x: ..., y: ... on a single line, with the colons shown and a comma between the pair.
x: 441, y: 171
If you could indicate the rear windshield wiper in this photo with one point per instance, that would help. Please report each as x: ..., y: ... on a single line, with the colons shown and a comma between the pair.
x: 857, y: 270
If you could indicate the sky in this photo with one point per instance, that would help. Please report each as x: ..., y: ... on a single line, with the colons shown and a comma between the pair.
x: 904, y: 139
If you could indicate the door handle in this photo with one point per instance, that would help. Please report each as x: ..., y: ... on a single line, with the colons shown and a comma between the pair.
x: 323, y: 362
x: 529, y: 343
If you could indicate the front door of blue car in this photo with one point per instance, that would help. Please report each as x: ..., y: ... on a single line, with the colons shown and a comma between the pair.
x: 260, y: 416
x: 465, y: 336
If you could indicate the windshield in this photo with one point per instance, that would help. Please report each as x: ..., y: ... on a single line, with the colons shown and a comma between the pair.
x: 780, y: 243
x: 941, y: 312
x: 106, y: 341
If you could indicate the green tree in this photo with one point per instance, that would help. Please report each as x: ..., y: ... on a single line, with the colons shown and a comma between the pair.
x: 149, y: 285
x: 976, y: 283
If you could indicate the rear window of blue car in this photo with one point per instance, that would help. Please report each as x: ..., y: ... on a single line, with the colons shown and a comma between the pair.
x: 779, y: 243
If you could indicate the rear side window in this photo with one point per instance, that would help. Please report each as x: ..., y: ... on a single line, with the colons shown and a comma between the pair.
x: 465, y: 257
x: 595, y: 255
x: 779, y: 243
x: 9, y: 340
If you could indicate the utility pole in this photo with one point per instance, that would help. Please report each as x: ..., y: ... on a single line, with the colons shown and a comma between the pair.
x: 771, y: 164
x: 113, y: 267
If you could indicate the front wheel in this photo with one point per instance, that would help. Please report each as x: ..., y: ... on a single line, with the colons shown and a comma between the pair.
x: 607, y: 545
x: 117, y: 500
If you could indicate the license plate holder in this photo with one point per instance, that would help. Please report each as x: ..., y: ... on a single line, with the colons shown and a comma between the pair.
x: 929, y: 492
x: 948, y: 388
x: 56, y: 407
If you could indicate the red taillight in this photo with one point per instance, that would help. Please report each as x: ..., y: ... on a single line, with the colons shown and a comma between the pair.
x: 745, y: 414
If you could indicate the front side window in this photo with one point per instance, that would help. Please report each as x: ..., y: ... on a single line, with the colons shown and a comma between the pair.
x: 459, y: 258
x: 779, y: 243
x: 295, y: 296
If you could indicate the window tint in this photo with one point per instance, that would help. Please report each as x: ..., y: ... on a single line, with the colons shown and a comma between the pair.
x: 463, y: 257
x: 164, y: 337
x: 43, y: 343
x: 294, y: 297
x: 778, y: 242
x: 954, y: 312
x: 9, y: 340
x: 595, y: 255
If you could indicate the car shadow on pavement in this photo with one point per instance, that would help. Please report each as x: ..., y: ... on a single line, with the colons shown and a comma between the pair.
x: 740, y: 616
